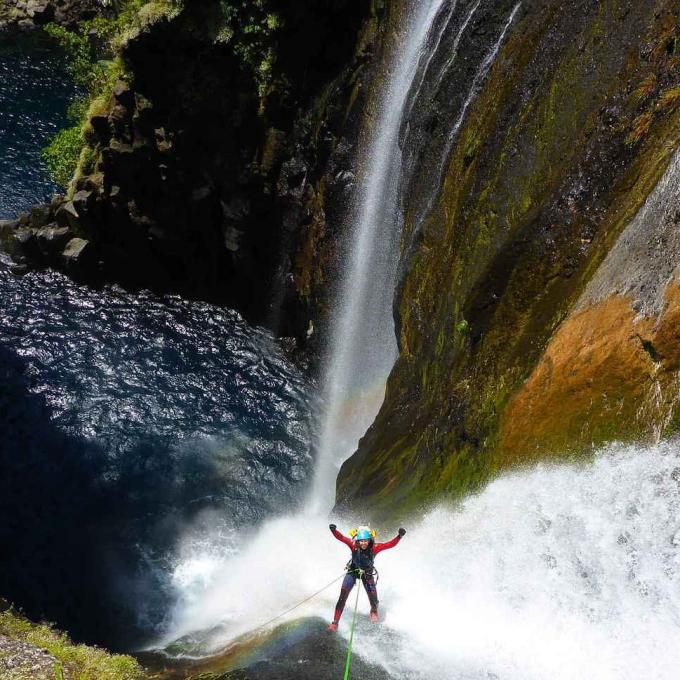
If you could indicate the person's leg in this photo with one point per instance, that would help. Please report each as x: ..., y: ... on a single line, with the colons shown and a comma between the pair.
x: 371, y: 591
x: 347, y: 585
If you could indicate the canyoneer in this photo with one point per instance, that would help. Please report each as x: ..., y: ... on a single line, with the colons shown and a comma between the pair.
x: 364, y: 549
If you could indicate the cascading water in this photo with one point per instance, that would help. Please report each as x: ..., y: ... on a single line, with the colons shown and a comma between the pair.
x: 553, y: 573
x: 363, y: 346
x: 558, y: 573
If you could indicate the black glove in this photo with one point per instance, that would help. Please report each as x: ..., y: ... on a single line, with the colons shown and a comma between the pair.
x: 401, y: 531
x: 332, y: 527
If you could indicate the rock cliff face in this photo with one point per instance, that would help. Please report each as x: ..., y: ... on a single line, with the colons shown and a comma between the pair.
x: 536, y: 311
x: 219, y: 166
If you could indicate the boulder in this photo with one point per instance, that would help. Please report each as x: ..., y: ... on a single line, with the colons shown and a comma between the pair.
x: 124, y: 95
x: 118, y: 161
x: 120, y: 121
x: 83, y: 201
x: 79, y: 257
x: 41, y: 11
x: 26, y: 243
x: 102, y: 129
x: 52, y: 238
x: 57, y: 201
x: 7, y: 228
x: 19, y: 268
x: 39, y: 215
x: 67, y: 216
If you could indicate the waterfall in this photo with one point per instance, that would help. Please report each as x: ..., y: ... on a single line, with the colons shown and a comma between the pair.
x: 362, y: 350
x: 363, y: 346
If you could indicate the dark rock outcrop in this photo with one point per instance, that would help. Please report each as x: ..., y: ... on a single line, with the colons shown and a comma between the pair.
x: 208, y: 182
x: 27, y: 15
x: 299, y: 650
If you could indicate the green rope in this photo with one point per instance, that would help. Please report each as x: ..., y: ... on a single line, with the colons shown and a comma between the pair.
x: 351, y: 635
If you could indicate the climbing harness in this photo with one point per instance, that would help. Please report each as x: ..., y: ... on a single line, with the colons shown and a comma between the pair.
x: 374, y: 572
x: 351, y: 634
x: 299, y: 604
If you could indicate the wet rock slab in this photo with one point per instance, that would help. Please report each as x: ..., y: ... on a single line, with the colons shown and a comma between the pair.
x: 300, y: 650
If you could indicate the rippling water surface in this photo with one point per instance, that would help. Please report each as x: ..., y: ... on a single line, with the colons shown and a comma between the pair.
x: 125, y: 422
x: 35, y: 91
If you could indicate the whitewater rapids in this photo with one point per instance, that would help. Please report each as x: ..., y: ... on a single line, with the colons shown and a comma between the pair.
x: 554, y: 573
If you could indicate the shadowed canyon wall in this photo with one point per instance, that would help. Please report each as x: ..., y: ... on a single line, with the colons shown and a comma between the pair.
x: 518, y: 338
x: 221, y: 163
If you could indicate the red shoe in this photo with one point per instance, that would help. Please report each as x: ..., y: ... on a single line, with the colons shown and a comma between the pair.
x: 374, y: 617
x: 333, y: 626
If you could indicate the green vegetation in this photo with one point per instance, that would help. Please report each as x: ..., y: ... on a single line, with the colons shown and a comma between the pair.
x: 251, y: 27
x: 73, y: 661
x: 462, y: 327
x: 62, y: 153
x: 95, y: 68
x: 94, y: 50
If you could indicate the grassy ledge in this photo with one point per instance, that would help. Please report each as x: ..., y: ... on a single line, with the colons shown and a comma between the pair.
x: 73, y: 662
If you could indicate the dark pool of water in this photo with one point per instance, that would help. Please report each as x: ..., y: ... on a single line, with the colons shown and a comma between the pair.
x: 125, y: 420
x: 35, y: 91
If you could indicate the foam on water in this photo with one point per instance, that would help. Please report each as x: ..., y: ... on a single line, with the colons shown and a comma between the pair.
x: 555, y: 573
x: 560, y: 572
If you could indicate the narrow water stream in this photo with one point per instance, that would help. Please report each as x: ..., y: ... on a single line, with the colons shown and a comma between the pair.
x: 362, y: 345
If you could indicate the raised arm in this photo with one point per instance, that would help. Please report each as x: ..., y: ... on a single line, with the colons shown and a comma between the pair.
x: 343, y: 539
x: 379, y: 547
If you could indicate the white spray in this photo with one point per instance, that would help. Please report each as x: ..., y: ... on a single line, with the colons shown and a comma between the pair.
x: 553, y: 573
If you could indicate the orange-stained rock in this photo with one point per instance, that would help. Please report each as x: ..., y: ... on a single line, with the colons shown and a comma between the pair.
x: 607, y: 373
x: 667, y: 335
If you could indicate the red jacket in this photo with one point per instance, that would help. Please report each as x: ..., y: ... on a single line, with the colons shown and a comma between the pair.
x: 377, y: 547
